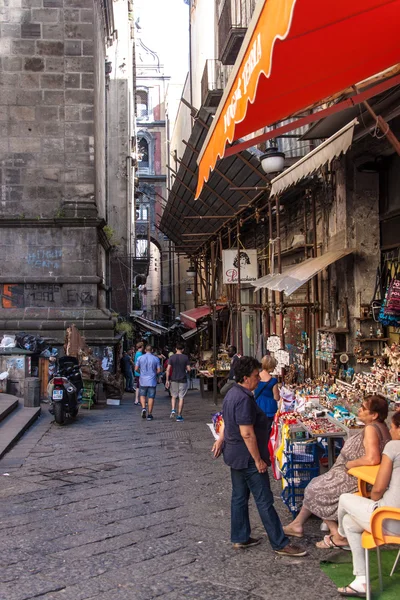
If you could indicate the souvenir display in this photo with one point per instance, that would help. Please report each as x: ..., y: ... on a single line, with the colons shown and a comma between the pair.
x: 326, y: 345
x: 321, y: 426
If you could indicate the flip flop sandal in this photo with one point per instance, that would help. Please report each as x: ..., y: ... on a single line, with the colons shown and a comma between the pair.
x: 352, y: 593
x: 332, y: 545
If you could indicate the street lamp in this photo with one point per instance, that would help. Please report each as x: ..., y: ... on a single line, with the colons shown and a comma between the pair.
x: 189, y: 290
x: 191, y: 271
x: 272, y: 161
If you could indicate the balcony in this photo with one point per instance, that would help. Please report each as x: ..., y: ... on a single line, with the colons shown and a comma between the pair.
x: 213, y: 82
x: 140, y: 265
x: 232, y: 26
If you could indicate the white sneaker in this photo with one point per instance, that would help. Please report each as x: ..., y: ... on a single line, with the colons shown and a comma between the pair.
x: 173, y: 414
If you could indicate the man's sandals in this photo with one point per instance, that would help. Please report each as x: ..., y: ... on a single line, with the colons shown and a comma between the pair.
x: 328, y: 542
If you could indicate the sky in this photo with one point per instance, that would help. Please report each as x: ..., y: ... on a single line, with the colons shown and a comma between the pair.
x: 164, y: 30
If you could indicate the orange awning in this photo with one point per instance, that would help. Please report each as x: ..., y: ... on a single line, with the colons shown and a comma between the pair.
x: 296, y: 53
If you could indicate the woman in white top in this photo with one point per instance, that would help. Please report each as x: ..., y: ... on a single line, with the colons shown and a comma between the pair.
x: 355, y: 512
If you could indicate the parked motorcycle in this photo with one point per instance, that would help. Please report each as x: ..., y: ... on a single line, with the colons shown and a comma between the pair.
x: 65, y: 389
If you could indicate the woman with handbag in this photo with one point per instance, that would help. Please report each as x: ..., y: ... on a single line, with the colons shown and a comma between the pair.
x: 266, y: 393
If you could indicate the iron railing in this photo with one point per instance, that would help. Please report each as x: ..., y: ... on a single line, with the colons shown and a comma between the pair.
x: 213, y: 82
x: 233, y: 21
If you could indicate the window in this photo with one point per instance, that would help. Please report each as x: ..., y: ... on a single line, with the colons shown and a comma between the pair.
x: 143, y: 152
x: 142, y: 212
x: 142, y: 103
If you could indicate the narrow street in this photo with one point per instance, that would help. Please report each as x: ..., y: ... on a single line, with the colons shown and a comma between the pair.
x: 115, y: 507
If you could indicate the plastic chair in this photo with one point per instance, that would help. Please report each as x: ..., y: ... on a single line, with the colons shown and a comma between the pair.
x: 377, y: 538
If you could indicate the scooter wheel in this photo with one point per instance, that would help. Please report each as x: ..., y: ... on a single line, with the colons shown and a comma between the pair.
x: 59, y: 415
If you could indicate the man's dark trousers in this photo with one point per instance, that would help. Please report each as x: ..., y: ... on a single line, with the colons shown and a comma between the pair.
x: 249, y: 480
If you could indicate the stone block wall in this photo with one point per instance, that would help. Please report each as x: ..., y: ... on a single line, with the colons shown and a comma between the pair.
x: 52, y: 163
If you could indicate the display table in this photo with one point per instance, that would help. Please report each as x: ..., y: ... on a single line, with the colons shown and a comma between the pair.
x: 208, y: 378
x: 365, y: 476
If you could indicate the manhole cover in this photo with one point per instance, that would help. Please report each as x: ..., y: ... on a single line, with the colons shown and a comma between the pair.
x: 176, y: 444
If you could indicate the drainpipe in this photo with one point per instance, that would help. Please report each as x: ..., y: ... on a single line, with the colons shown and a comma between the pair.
x: 190, y: 54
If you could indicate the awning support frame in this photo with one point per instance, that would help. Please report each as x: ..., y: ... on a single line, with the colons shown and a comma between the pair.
x: 317, y: 116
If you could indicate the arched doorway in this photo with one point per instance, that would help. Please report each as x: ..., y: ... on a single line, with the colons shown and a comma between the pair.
x: 150, y: 292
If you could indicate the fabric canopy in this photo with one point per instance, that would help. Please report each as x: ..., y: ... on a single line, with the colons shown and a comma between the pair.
x: 190, y: 317
x: 295, y: 54
x: 150, y: 325
x: 193, y: 332
x: 297, y: 275
x: 323, y: 154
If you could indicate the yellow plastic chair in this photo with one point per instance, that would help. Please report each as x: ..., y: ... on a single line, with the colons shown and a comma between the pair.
x: 377, y: 538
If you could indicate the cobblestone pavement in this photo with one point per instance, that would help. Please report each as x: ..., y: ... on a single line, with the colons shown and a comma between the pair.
x: 116, y: 507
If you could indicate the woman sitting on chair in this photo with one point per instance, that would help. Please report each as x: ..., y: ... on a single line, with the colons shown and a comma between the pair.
x: 321, y: 496
x: 355, y: 512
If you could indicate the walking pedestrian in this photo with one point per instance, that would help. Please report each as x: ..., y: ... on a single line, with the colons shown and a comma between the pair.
x: 127, y: 370
x: 244, y: 444
x: 234, y: 356
x: 176, y: 379
x: 138, y: 353
x: 148, y: 367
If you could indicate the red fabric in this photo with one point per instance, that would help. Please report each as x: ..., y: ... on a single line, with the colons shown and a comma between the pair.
x: 331, y: 46
x: 190, y: 317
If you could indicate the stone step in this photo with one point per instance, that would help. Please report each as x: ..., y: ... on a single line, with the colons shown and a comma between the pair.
x: 15, y: 425
x: 7, y: 404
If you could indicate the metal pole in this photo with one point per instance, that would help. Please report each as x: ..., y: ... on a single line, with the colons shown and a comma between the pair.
x: 214, y: 323
x: 196, y: 290
x: 281, y: 315
x: 239, y: 294
x: 315, y: 279
x: 307, y: 320
x: 272, y: 312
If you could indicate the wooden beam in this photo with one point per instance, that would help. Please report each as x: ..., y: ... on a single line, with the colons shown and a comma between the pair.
x: 206, y: 185
x: 206, y: 235
x: 211, y: 217
x: 187, y: 187
x: 220, y: 172
x: 222, y: 175
x: 184, y: 202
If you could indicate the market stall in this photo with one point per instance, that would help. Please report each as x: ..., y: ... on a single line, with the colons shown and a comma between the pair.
x: 207, y: 373
x: 316, y: 417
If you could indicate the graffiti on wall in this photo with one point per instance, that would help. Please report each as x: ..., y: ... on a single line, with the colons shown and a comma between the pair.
x: 12, y: 295
x: 79, y: 298
x: 43, y: 295
x: 45, y: 258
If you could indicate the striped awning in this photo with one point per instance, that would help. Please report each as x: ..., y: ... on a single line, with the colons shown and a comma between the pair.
x: 332, y: 148
x: 292, y: 278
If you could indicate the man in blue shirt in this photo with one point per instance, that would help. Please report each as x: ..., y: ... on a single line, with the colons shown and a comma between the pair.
x: 148, y: 367
x: 244, y: 443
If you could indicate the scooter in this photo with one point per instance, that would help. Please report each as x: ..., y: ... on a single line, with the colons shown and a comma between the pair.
x: 66, y: 389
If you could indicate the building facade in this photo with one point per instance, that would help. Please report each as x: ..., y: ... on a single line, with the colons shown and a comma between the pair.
x: 152, y: 292
x: 343, y: 214
x: 55, y: 196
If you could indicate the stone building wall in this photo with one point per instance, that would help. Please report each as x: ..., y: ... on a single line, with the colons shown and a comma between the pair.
x: 52, y: 157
